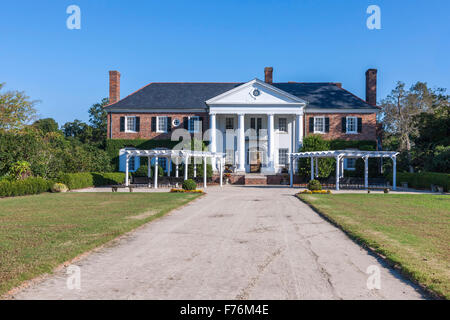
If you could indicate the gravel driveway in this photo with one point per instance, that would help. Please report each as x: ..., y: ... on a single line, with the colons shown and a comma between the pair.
x: 238, y: 243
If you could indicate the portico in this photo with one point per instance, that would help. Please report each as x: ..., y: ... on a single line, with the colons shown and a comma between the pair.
x: 256, y: 125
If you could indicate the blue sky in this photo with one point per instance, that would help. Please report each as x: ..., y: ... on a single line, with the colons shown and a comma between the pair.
x: 304, y: 40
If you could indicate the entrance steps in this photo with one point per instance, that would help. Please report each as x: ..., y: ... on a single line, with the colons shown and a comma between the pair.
x: 255, y: 178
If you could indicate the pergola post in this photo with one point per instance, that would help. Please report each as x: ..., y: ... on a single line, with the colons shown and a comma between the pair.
x: 317, y: 167
x: 205, y: 177
x: 127, y: 160
x: 186, y: 163
x: 342, y: 167
x: 155, y: 176
x: 221, y: 171
x: 366, y: 172
x: 312, y: 168
x: 291, y: 171
x: 337, y: 172
x: 149, y: 169
x: 169, y: 168
x: 195, y: 167
x: 176, y: 169
x: 394, y: 173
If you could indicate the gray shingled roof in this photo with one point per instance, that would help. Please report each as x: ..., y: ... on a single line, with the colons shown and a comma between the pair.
x: 177, y: 96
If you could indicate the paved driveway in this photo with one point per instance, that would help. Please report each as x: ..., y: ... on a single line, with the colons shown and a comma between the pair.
x: 239, y: 243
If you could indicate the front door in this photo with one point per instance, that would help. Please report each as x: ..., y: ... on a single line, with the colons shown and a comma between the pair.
x: 254, y: 155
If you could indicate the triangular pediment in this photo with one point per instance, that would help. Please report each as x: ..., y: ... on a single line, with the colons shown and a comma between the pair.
x: 255, y: 92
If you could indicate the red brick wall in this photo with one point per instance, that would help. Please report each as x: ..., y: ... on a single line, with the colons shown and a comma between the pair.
x: 369, y: 126
x: 146, y: 125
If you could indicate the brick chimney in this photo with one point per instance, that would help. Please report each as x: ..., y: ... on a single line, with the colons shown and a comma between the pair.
x: 268, y: 75
x: 114, y: 86
x: 371, y: 86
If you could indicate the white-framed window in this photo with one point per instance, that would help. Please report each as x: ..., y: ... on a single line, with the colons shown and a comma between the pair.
x: 283, y: 156
x: 229, y: 123
x: 352, y: 125
x: 229, y: 156
x: 319, y: 124
x: 162, y: 162
x: 130, y: 124
x: 161, y: 124
x: 195, y: 124
x: 282, y: 124
x: 350, y: 164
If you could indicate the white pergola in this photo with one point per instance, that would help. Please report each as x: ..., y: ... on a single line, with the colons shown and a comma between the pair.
x: 339, y: 155
x: 178, y: 156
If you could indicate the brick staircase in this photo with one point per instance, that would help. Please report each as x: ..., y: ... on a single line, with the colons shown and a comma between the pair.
x: 255, y: 179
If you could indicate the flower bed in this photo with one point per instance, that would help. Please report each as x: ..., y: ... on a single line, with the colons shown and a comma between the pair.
x: 185, y: 191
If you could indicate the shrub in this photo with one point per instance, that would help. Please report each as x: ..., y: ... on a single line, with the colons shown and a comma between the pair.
x: 59, y: 187
x: 314, y: 185
x: 90, y: 179
x: 20, y: 170
x: 423, y: 180
x: 23, y: 187
x: 189, y: 184
x: 142, y: 171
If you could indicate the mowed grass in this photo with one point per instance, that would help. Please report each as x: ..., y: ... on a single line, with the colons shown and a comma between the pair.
x: 37, y: 233
x: 410, y: 230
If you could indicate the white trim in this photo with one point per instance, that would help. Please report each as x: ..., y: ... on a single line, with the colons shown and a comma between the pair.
x: 157, y: 124
x: 314, y: 125
x: 347, y: 131
x: 269, y: 87
x: 330, y: 110
x: 126, y: 124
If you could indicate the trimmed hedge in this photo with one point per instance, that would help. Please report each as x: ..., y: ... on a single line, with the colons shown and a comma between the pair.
x: 423, y: 180
x: 24, y: 187
x: 91, y: 179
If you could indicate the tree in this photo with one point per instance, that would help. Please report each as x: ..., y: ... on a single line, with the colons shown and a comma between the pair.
x: 98, y: 119
x: 79, y: 130
x: 46, y: 125
x: 326, y: 165
x: 399, y: 110
x: 16, y: 110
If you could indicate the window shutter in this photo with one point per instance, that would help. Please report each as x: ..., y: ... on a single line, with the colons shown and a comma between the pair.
x: 311, y: 124
x: 344, y: 124
x: 169, y: 124
x: 204, y: 123
x: 186, y: 123
x: 138, y: 124
x: 153, y: 124
x: 359, y: 125
x: 252, y: 123
x: 122, y: 124
x: 327, y: 124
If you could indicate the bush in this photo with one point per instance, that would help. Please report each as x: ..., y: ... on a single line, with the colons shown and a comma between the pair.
x: 423, y: 180
x: 142, y: 171
x: 20, y: 170
x: 189, y: 184
x: 314, y: 185
x: 59, y: 187
x: 199, y: 166
x: 90, y: 179
x: 23, y: 187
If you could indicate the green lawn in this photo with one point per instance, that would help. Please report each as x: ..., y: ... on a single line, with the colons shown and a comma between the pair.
x: 37, y: 233
x: 410, y: 230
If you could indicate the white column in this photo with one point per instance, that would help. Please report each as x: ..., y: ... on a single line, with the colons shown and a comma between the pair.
x: 394, y: 173
x: 241, y: 143
x: 221, y: 171
x: 186, y: 164
x: 312, y: 168
x: 155, y: 176
x: 342, y: 167
x: 317, y: 167
x: 149, y: 169
x: 195, y: 168
x: 337, y: 172
x: 176, y: 169
x: 205, y: 177
x: 299, y: 132
x: 366, y: 172
x: 291, y: 171
x: 127, y: 160
x: 271, y: 142
x: 169, y: 168
x: 213, y: 143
